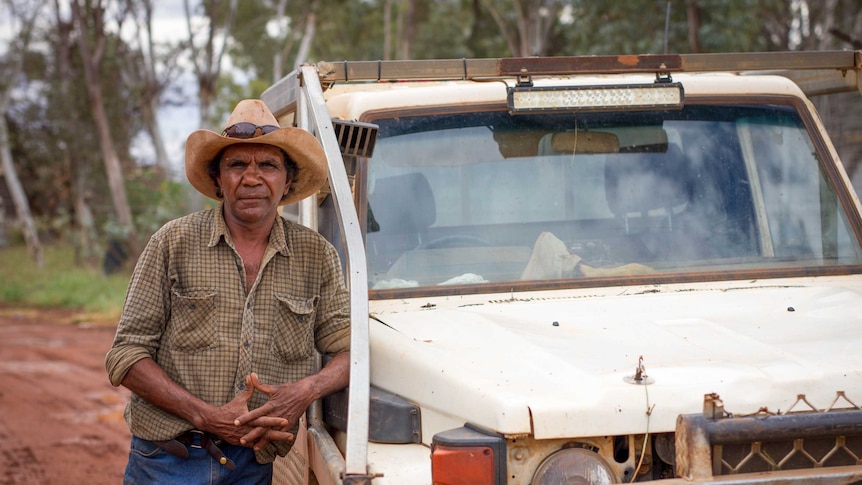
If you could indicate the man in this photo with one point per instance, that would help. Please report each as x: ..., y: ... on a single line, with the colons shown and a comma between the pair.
x: 224, y: 310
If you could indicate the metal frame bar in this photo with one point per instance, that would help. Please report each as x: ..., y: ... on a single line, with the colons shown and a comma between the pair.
x: 357, y: 280
x: 823, y: 72
x: 300, y: 92
x: 450, y: 69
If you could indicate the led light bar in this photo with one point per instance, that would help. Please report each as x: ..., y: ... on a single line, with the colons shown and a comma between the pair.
x: 595, y: 98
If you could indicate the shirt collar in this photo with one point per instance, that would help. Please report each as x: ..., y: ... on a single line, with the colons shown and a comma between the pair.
x: 277, y: 237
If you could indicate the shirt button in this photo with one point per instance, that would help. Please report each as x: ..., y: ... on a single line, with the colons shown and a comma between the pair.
x: 245, y: 344
x: 241, y: 386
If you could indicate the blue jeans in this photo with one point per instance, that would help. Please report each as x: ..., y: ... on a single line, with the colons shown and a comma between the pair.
x: 150, y: 464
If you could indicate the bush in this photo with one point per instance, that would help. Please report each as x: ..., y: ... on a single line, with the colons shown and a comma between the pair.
x: 60, y: 284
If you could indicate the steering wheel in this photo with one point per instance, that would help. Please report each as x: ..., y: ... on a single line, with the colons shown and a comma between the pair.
x: 456, y: 241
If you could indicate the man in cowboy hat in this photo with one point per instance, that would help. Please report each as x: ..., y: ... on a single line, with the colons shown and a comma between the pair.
x: 224, y: 310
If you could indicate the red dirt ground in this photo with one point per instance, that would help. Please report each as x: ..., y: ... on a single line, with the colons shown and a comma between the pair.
x: 61, y: 421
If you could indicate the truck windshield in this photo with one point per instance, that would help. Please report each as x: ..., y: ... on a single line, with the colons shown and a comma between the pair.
x: 487, y: 197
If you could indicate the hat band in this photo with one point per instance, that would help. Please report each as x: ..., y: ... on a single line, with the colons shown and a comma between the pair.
x: 244, y: 130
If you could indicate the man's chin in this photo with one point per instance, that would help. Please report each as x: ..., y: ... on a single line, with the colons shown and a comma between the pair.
x: 250, y: 210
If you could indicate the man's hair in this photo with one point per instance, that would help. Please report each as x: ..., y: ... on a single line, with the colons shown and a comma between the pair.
x: 214, y: 169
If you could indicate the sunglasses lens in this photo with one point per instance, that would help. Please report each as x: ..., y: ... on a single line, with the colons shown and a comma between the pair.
x: 244, y: 130
x: 241, y: 130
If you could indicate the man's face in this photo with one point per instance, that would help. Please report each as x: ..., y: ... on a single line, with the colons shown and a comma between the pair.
x: 253, y: 180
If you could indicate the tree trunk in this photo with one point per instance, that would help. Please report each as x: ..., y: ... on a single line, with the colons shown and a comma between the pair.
x: 114, y: 171
x: 91, y: 65
x: 308, y: 35
x: 153, y: 90
x: 387, y: 30
x: 149, y: 116
x: 4, y: 241
x: 84, y: 238
x: 517, y: 36
x: 408, y: 29
x: 280, y: 54
x: 19, y: 199
x: 693, y: 26
x: 86, y: 243
x: 207, y: 60
x: 13, y: 66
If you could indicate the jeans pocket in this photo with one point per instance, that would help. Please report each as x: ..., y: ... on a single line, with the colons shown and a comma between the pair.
x: 144, y: 448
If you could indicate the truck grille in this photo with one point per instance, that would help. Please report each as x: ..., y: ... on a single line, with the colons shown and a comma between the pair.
x: 762, y: 456
x: 717, y: 443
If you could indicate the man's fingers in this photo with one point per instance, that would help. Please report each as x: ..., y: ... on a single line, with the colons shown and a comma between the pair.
x: 252, y: 436
x: 269, y: 422
x: 260, y: 417
x: 261, y: 436
x: 273, y: 435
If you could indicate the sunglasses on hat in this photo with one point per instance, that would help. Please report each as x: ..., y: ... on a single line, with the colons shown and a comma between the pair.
x: 245, y: 129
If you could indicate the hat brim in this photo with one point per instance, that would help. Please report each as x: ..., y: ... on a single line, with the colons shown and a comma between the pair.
x: 202, y: 146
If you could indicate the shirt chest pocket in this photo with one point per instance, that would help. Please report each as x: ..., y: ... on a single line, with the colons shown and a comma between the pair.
x: 293, y: 335
x: 193, y: 320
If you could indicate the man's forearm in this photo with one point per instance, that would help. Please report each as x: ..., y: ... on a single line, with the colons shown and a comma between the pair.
x: 146, y: 379
x: 334, y: 376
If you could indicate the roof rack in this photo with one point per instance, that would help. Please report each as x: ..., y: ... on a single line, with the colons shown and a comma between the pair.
x: 817, y: 72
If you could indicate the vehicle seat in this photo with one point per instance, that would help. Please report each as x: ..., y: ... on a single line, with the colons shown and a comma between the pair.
x: 403, y: 209
x: 647, y: 192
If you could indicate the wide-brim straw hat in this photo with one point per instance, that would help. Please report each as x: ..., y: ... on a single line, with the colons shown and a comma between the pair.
x: 202, y: 146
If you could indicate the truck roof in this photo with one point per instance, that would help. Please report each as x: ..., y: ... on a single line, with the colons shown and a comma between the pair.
x: 820, y: 72
x: 351, y: 101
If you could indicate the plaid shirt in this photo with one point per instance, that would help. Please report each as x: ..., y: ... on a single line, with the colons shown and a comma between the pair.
x: 186, y: 307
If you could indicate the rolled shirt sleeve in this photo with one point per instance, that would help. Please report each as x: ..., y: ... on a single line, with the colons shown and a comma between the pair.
x: 144, y: 313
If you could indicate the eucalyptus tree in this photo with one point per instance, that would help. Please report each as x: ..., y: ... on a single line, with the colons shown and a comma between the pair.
x: 23, y: 16
x: 72, y: 156
x: 150, y: 66
x: 89, y: 19
x: 210, y: 25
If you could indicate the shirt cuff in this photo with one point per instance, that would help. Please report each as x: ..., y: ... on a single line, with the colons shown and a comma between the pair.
x: 120, y: 360
x: 335, y: 343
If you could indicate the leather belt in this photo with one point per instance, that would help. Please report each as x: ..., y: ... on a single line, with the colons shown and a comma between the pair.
x: 179, y: 446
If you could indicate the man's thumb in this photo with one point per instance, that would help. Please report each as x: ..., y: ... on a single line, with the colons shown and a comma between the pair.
x: 255, y: 382
x: 248, y: 392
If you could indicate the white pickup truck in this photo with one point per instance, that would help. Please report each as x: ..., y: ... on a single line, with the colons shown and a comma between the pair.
x: 588, y: 270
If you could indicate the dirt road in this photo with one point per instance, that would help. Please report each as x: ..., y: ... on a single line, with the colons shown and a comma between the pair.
x: 60, y: 419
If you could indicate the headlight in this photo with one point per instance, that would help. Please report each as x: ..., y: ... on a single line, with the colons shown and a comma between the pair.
x: 574, y: 466
x: 527, y: 99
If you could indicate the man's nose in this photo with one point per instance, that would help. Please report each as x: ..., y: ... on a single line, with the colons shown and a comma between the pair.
x: 252, y: 174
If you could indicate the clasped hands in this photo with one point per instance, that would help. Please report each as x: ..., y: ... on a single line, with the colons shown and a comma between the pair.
x: 268, y: 423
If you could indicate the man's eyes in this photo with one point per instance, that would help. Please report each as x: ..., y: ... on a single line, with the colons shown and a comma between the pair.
x: 265, y: 165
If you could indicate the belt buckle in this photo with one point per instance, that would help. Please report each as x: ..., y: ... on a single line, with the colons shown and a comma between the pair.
x: 201, y: 438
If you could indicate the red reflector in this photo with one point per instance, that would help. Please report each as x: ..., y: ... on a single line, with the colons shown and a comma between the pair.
x: 472, y: 465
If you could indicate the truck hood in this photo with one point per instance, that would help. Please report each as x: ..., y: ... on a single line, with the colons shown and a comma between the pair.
x: 562, y: 364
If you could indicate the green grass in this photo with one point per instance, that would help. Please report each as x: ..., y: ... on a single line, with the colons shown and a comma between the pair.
x: 60, y: 283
